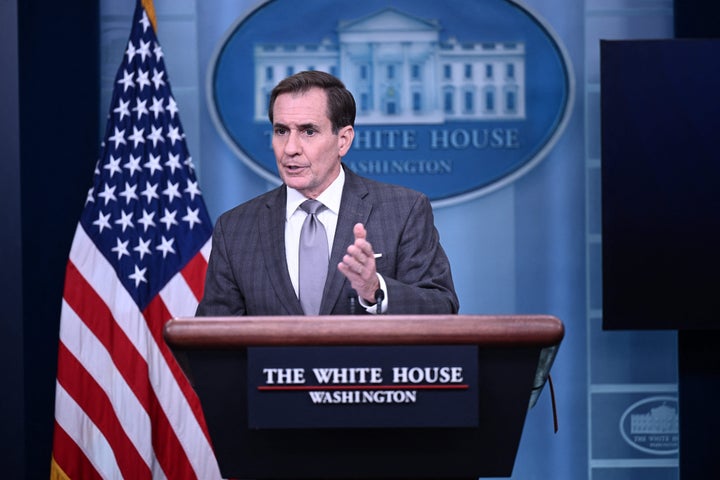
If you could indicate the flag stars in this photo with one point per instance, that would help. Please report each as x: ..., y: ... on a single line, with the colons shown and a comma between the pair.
x: 156, y: 135
x: 130, y: 51
x: 108, y: 194
x: 192, y: 189
x: 174, y: 135
x: 138, y: 276
x: 171, y: 107
x: 188, y: 161
x: 150, y: 192
x: 133, y: 164
x: 157, y: 107
x: 172, y: 191
x: 118, y: 137
x: 143, y: 248
x: 144, y: 50
x: 153, y: 164
x: 127, y: 80
x: 147, y: 220
x: 113, y: 166
x: 125, y: 220
x: 166, y: 246
x: 173, y: 163
x: 103, y: 222
x: 141, y: 108
x: 129, y: 193
x: 157, y: 78
x: 141, y: 191
x: 144, y: 21
x: 138, y: 136
x: 192, y: 217
x: 169, y: 219
x: 142, y: 80
x: 158, y: 52
x: 121, y: 248
x: 123, y: 109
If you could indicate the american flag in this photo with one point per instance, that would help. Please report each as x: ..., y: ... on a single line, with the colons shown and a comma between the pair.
x: 123, y: 407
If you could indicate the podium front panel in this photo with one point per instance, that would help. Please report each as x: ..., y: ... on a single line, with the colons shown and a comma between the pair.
x: 504, y: 377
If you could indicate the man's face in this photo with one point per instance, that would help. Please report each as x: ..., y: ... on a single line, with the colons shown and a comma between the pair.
x: 307, y: 152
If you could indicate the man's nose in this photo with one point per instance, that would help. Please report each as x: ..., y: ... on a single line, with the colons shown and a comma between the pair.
x: 292, y: 144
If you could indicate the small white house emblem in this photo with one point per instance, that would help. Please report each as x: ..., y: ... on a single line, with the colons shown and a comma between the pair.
x: 652, y: 425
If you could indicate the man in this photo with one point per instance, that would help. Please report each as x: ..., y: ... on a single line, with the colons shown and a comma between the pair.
x: 381, y: 240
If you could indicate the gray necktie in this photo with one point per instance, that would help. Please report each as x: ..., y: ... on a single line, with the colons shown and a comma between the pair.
x: 313, y: 259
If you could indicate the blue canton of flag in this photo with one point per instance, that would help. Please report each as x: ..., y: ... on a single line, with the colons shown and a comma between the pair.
x: 145, y: 212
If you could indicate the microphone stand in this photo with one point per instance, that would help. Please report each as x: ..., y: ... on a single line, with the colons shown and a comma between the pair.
x: 353, y: 302
x: 379, y: 297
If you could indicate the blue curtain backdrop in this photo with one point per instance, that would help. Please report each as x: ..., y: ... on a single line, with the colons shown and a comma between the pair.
x: 532, y: 246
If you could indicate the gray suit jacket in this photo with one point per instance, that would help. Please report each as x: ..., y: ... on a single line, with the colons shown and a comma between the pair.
x: 247, y: 271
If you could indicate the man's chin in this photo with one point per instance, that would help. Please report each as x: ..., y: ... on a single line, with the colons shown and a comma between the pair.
x: 297, y: 183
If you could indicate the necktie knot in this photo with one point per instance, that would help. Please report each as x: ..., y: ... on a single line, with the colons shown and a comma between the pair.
x: 311, y: 207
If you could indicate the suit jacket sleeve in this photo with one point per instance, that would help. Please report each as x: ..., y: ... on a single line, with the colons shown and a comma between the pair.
x: 222, y: 297
x: 415, y: 268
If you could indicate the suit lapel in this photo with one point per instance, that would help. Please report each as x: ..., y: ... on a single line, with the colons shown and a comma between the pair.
x: 354, y: 208
x: 272, y: 233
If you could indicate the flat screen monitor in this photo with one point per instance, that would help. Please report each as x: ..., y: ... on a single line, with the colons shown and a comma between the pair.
x: 660, y: 108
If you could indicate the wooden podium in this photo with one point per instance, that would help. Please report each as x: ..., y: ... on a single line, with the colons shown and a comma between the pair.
x: 511, y: 356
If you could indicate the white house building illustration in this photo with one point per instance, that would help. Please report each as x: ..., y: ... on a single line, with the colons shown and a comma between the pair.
x: 401, y: 73
x: 660, y: 420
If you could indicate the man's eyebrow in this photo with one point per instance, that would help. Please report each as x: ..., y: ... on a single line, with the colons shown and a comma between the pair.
x: 303, y: 126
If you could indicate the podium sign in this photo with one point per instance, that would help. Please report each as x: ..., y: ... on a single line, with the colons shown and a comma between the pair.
x: 362, y: 387
x: 232, y: 363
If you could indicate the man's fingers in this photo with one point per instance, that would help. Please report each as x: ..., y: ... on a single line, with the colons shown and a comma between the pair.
x: 359, y: 231
x: 358, y: 264
x: 365, y: 249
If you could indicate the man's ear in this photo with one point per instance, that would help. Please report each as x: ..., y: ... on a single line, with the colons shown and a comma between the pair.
x: 345, y: 139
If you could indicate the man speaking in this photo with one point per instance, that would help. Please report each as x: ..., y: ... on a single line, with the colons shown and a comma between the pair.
x: 327, y: 241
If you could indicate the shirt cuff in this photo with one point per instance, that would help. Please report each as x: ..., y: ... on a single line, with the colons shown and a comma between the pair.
x: 373, y: 308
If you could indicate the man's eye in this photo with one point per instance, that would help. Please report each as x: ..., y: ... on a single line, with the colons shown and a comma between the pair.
x: 309, y: 132
x: 280, y: 131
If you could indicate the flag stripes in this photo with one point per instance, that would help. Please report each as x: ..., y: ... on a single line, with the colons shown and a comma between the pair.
x: 89, y: 331
x: 130, y: 461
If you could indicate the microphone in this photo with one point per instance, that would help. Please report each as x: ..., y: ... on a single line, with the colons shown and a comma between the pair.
x: 352, y: 304
x: 379, y: 297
